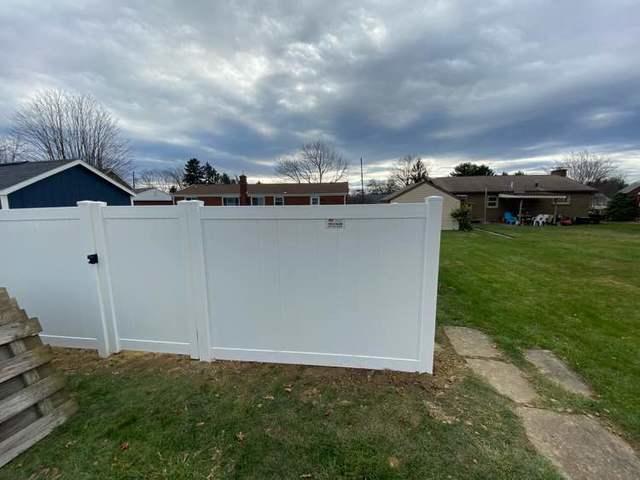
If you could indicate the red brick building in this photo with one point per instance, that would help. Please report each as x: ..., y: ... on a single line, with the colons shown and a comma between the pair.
x: 259, y: 194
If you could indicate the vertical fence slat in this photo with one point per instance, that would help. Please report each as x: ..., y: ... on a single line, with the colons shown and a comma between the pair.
x: 107, y: 334
x: 433, y: 225
x: 197, y: 297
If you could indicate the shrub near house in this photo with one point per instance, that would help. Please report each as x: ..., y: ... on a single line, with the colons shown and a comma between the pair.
x: 622, y: 208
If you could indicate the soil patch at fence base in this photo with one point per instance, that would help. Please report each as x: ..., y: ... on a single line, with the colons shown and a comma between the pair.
x: 447, y: 369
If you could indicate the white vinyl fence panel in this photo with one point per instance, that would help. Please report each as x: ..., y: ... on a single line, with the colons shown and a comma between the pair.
x: 42, y: 263
x: 146, y: 259
x: 347, y: 286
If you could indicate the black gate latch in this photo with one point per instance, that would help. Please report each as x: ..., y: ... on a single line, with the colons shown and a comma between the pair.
x: 93, y: 258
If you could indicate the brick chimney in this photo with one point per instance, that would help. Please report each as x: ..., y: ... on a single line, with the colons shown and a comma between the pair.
x: 244, y: 197
x: 559, y: 172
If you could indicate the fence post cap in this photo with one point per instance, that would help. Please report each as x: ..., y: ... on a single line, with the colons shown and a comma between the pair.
x: 195, y: 203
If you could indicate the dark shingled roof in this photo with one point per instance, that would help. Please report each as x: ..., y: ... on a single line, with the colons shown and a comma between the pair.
x: 13, y: 173
x: 341, y: 188
x: 630, y: 188
x: 511, y: 184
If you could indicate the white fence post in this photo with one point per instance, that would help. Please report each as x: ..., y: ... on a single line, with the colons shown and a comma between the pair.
x: 197, y: 295
x: 433, y: 225
x: 91, y: 215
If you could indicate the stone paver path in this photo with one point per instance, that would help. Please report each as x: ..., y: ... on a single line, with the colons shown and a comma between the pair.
x: 579, y: 447
x: 556, y: 371
x: 469, y: 342
x: 506, y: 378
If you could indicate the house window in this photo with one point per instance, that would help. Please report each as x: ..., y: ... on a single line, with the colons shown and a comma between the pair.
x: 257, y: 201
x: 231, y: 201
x: 315, y: 200
x: 278, y: 201
x: 492, y: 201
x: 560, y: 201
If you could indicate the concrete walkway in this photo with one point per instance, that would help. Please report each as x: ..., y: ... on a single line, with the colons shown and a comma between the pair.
x: 579, y: 447
x: 555, y: 370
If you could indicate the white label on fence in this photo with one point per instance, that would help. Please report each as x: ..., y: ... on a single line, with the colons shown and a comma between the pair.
x: 335, y: 222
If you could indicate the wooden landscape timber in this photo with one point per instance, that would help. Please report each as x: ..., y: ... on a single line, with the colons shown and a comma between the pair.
x: 32, y: 397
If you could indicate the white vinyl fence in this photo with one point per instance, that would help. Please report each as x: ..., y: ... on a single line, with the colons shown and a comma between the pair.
x: 351, y: 286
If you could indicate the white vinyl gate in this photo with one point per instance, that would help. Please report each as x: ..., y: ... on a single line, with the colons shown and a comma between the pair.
x: 352, y: 286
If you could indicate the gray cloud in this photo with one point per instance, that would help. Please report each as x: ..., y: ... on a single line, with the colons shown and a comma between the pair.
x: 242, y: 83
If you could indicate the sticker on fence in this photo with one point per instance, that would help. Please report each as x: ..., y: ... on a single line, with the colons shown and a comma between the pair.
x: 335, y: 222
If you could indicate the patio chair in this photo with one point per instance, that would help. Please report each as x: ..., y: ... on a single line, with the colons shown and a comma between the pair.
x: 539, y: 220
x: 509, y: 219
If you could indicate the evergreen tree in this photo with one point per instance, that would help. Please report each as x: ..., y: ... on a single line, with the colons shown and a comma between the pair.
x: 419, y: 172
x: 193, y: 172
x: 210, y: 174
x: 468, y: 169
x: 409, y: 169
x: 224, y: 178
x: 622, y: 208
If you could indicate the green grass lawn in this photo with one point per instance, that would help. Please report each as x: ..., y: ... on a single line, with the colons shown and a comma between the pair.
x: 145, y: 416
x: 572, y: 290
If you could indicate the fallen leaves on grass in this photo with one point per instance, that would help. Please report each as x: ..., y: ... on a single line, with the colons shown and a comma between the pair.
x: 124, y: 446
x: 436, y: 412
x: 240, y: 436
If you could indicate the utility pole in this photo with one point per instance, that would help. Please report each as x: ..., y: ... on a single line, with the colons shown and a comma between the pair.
x: 361, y: 180
x: 133, y: 179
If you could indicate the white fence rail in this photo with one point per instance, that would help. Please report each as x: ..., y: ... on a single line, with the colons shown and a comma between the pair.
x: 352, y: 286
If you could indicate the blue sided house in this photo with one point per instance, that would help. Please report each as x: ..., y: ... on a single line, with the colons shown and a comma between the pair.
x: 58, y: 184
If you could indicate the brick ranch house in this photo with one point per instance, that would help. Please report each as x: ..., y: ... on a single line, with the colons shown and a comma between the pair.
x: 633, y: 192
x: 491, y: 196
x: 258, y: 194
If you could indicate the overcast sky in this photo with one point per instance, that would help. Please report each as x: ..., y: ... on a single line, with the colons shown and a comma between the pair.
x: 512, y: 84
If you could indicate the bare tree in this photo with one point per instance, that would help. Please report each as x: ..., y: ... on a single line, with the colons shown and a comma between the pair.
x: 409, y: 169
x: 379, y: 187
x: 166, y: 179
x: 316, y: 162
x: 290, y: 168
x: 588, y: 168
x: 56, y: 125
x: 10, y: 149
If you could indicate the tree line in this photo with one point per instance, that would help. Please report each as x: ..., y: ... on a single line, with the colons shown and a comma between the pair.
x: 58, y: 125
